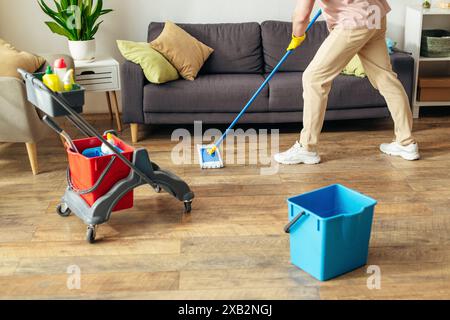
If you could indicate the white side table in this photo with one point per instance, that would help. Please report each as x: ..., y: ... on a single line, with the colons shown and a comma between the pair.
x: 101, y: 75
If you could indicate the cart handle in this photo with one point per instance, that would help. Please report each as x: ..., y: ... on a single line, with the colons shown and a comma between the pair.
x: 289, y: 226
x: 96, y: 185
x: 34, y: 80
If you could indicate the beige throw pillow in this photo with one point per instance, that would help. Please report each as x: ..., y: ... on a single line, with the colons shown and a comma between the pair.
x: 182, y: 50
x: 11, y: 59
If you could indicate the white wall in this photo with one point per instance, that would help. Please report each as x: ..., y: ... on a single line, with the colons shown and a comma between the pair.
x: 21, y: 23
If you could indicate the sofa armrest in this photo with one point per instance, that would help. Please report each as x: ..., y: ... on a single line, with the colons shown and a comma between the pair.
x: 19, y: 121
x: 133, y: 82
x: 403, y: 65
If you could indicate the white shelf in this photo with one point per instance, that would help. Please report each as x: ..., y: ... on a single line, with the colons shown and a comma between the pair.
x: 433, y: 103
x: 435, y: 11
x: 426, y: 59
x: 419, y: 19
x: 432, y: 11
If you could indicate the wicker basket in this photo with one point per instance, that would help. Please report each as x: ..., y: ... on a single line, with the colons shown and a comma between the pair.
x: 435, y: 44
x: 444, y: 4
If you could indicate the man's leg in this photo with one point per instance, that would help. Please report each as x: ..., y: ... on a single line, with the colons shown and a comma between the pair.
x: 377, y: 64
x: 334, y: 54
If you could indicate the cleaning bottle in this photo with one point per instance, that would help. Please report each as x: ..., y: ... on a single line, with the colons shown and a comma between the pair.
x: 68, y: 80
x: 105, y: 150
x: 60, y: 69
x: 51, y: 80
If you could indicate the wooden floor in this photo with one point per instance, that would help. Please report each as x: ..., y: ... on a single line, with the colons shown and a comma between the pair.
x: 233, y: 245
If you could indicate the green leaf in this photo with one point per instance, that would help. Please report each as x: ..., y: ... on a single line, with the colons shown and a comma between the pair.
x: 65, y: 4
x: 95, y: 29
x: 56, y: 28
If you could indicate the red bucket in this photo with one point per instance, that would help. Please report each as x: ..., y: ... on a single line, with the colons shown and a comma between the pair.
x: 85, y: 171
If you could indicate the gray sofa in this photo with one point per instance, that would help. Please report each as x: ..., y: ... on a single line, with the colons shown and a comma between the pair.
x: 244, y: 54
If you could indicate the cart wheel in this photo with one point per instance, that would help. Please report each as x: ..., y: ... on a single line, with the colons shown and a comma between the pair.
x: 90, y: 235
x: 63, y: 210
x: 158, y: 189
x: 188, y: 207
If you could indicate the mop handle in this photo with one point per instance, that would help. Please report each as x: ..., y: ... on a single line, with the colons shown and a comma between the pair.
x: 275, y: 70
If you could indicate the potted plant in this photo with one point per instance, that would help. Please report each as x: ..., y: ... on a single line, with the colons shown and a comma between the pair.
x: 426, y: 4
x: 77, y: 21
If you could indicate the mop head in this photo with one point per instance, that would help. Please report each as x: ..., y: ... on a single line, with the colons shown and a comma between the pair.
x: 207, y: 160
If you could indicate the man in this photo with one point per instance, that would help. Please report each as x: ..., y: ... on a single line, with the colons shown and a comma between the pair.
x: 356, y: 27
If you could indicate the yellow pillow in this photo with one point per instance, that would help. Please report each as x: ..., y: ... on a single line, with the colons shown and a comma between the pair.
x: 11, y: 59
x: 156, y: 68
x: 186, y: 53
x: 355, y: 68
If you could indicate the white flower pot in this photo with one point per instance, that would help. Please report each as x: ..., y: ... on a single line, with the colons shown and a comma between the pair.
x: 82, y: 50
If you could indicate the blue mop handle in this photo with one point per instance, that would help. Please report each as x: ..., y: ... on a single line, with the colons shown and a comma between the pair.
x: 275, y: 70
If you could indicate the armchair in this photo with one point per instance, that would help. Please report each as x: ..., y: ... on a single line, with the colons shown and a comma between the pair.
x: 19, y: 121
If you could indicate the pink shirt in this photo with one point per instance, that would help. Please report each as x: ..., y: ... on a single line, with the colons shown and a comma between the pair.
x: 352, y: 14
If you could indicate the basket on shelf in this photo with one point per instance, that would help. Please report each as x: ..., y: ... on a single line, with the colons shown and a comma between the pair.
x: 444, y: 4
x: 435, y: 43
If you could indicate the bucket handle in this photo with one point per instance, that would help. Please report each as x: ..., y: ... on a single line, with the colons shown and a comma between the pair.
x: 289, y: 226
x: 96, y: 185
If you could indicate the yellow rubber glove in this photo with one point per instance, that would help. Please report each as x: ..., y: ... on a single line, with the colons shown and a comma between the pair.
x: 296, y: 42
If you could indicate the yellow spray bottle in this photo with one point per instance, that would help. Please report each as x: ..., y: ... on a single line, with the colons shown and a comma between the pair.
x: 52, y: 81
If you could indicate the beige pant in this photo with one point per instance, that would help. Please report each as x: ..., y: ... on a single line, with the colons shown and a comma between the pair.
x: 334, y: 54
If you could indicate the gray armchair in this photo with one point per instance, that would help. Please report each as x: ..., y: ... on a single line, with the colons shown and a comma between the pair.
x: 19, y: 121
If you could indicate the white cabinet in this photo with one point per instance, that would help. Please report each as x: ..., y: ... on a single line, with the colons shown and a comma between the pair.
x: 417, y: 20
x: 101, y: 75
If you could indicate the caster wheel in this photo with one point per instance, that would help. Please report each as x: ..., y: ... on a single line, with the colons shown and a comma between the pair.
x: 188, y: 207
x: 158, y: 189
x: 90, y: 235
x: 63, y: 210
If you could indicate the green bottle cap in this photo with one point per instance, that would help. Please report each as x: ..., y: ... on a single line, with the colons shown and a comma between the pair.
x: 49, y: 70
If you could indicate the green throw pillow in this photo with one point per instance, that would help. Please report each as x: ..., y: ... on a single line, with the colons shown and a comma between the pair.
x: 156, y: 68
x: 355, y: 68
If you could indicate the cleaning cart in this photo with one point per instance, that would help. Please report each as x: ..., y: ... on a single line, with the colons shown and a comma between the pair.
x: 98, y: 186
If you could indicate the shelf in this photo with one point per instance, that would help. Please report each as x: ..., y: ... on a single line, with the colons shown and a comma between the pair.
x: 436, y: 11
x: 433, y: 103
x: 426, y: 59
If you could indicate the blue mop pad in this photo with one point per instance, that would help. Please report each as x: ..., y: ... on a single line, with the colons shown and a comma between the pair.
x: 208, y: 161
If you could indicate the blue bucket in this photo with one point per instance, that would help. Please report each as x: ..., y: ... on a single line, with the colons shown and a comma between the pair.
x: 330, y: 231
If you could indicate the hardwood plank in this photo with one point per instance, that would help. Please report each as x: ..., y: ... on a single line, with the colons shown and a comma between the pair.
x: 68, y: 249
x: 97, y: 284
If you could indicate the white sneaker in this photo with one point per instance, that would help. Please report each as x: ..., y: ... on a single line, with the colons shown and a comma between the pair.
x: 296, y: 155
x: 410, y: 152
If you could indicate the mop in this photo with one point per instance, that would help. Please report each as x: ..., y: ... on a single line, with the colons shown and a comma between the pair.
x: 209, y: 155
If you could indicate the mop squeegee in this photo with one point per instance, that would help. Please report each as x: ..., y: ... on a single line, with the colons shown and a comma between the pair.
x: 209, y: 155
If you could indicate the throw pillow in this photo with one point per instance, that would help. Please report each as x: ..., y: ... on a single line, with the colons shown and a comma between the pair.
x: 12, y: 59
x: 355, y: 68
x: 186, y: 53
x: 156, y: 68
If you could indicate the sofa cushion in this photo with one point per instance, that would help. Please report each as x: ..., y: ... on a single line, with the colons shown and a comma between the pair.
x: 286, y: 93
x: 156, y: 68
x: 209, y: 93
x: 11, y: 59
x: 276, y: 36
x: 183, y: 51
x: 237, y: 46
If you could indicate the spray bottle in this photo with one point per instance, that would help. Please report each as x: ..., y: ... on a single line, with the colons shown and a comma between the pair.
x: 52, y: 81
